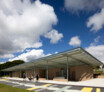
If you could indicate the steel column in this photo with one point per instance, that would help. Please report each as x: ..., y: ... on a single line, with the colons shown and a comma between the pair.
x: 26, y: 72
x: 67, y: 69
x: 9, y: 74
x: 47, y: 70
x: 34, y: 72
x: 20, y: 74
x: 15, y: 73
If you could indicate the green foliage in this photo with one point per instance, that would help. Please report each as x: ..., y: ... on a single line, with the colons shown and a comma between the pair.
x: 6, y: 88
x: 98, y: 72
x: 96, y: 67
x: 10, y: 64
x: 6, y: 76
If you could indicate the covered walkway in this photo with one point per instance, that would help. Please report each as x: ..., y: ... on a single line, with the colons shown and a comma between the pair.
x: 75, y: 64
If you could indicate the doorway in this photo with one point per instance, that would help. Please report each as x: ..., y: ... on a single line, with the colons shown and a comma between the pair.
x: 73, y: 74
x: 22, y: 74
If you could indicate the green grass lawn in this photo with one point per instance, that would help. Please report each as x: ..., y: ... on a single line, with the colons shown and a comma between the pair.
x: 6, y: 88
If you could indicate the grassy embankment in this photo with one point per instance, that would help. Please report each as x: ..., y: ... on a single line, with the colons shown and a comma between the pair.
x: 6, y: 88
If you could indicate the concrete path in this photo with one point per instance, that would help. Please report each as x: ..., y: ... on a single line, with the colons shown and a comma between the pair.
x: 98, y: 82
x: 48, y: 87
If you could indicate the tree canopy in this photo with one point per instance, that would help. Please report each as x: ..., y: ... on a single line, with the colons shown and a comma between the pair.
x: 10, y: 64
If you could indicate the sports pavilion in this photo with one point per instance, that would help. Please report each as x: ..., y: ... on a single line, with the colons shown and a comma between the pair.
x: 71, y: 65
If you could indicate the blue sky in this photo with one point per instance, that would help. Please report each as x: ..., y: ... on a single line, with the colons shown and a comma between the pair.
x: 30, y: 30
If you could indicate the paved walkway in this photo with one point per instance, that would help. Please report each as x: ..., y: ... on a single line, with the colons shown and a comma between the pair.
x: 97, y: 82
x: 48, y: 87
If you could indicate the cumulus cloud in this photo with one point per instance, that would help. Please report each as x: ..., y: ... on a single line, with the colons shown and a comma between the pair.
x: 2, y: 62
x: 22, y: 23
x: 30, y: 55
x: 48, y: 54
x: 96, y: 22
x: 97, y: 51
x: 56, y: 52
x: 37, y: 44
x: 83, y: 5
x: 96, y: 40
x: 75, y: 41
x: 54, y: 36
x: 6, y: 56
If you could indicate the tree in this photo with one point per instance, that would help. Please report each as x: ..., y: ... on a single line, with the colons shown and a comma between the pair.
x: 9, y: 64
x: 96, y: 67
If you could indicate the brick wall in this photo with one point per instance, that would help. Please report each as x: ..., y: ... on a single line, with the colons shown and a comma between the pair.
x: 100, y: 76
x: 54, y: 72
x: 77, y: 73
x: 29, y: 73
x: 81, y: 73
x: 16, y: 74
x: 13, y: 74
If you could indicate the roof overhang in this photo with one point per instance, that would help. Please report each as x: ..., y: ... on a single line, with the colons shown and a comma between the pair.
x: 74, y: 57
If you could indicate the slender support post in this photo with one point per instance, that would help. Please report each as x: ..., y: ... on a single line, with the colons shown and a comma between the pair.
x: 47, y: 70
x: 34, y: 72
x: 20, y: 73
x: 26, y: 73
x: 4, y: 73
x: 15, y: 73
x: 67, y: 70
x: 9, y: 74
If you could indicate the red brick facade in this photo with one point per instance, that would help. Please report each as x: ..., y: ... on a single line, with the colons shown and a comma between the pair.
x: 76, y: 73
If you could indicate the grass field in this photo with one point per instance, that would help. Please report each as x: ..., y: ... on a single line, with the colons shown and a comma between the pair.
x: 6, y: 88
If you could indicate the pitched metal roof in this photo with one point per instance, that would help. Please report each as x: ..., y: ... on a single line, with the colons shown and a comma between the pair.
x: 77, y: 56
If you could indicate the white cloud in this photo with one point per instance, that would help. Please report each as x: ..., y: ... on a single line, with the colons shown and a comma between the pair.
x: 38, y: 44
x: 30, y: 55
x: 96, y: 40
x: 48, y: 54
x: 83, y: 5
x: 2, y: 62
x: 97, y: 51
x: 96, y: 22
x: 56, y: 52
x: 54, y: 36
x: 22, y: 23
x: 6, y: 56
x: 75, y: 41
